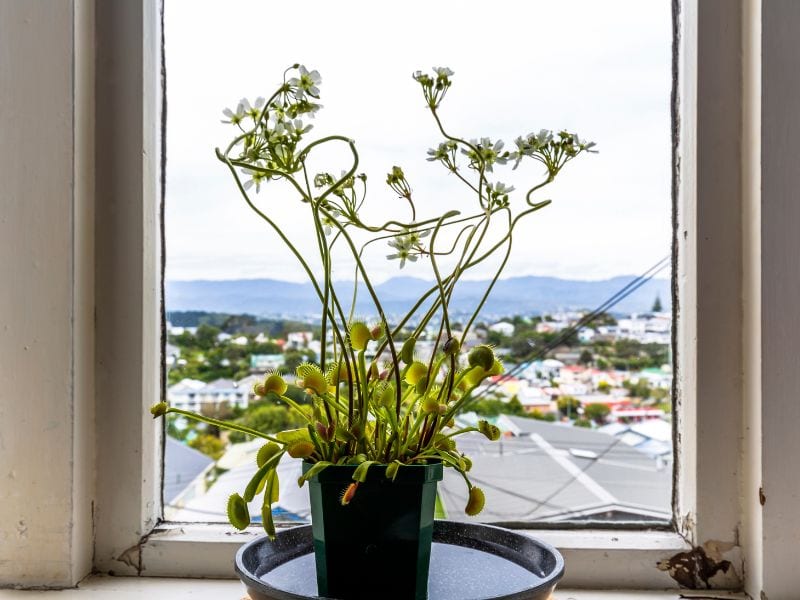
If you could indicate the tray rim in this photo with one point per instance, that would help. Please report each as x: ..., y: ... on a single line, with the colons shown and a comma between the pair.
x: 548, y: 584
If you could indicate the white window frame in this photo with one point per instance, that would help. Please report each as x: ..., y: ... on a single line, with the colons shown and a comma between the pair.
x: 708, y: 249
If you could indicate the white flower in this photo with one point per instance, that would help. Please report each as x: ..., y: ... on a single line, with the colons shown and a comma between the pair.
x: 544, y: 137
x: 253, y: 111
x: 328, y: 222
x: 256, y: 179
x: 403, y: 253
x: 234, y: 117
x: 500, y: 188
x: 307, y: 82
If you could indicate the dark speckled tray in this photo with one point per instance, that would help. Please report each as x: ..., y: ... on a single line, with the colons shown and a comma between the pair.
x: 468, y: 562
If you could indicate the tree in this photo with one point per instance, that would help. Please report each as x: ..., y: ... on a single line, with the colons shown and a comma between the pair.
x: 586, y: 357
x: 208, y: 445
x: 604, y: 387
x: 295, y: 358
x: 268, y: 418
x: 221, y: 412
x: 568, y: 406
x: 540, y: 416
x: 657, y: 305
x: 206, y: 336
x: 597, y: 412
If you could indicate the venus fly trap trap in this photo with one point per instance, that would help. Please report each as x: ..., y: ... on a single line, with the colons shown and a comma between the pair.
x: 381, y: 417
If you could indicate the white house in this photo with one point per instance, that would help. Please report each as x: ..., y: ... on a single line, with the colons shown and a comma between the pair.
x: 503, y: 328
x: 184, y: 394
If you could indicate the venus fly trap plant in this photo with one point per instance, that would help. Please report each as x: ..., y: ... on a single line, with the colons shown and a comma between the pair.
x: 399, y: 408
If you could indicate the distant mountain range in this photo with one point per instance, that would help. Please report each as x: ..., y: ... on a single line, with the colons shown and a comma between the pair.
x: 516, y: 295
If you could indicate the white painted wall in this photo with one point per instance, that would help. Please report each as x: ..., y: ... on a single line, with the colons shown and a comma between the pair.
x: 780, y: 295
x: 55, y: 271
x: 47, y: 297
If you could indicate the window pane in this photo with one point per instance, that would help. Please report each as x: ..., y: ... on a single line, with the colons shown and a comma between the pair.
x: 585, y: 402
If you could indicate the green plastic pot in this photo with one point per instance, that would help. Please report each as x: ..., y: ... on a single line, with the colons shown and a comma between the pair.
x: 379, y: 545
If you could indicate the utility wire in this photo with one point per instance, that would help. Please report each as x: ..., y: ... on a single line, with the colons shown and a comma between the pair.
x: 620, y: 295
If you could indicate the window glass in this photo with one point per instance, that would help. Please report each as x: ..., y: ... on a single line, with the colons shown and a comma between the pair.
x: 582, y: 315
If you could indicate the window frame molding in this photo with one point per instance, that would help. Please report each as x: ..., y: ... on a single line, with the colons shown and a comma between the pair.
x: 129, y: 538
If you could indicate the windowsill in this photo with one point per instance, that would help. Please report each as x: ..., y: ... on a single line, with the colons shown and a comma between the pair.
x: 136, y: 588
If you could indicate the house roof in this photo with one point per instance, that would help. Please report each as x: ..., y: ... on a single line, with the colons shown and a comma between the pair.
x: 293, y: 505
x: 182, y: 465
x: 549, y: 472
x: 220, y: 384
x: 535, y: 477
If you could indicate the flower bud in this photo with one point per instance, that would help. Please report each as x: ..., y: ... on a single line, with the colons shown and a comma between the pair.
x: 274, y: 384
x: 430, y: 405
x: 359, y: 336
x: 415, y: 372
x: 159, y: 410
x: 451, y: 347
x: 387, y: 396
x: 300, y: 449
x: 407, y: 351
x: 481, y: 356
x: 476, y: 501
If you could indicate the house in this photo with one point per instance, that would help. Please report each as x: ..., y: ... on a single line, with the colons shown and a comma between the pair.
x: 549, y: 472
x: 184, y: 394
x: 223, y: 390
x: 504, y: 328
x: 260, y: 363
x: 652, y: 437
x: 298, y: 340
x: 172, y: 354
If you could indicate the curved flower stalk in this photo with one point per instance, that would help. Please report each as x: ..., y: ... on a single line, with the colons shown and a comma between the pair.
x: 363, y: 411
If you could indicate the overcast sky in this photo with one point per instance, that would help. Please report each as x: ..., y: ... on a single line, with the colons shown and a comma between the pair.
x: 601, y: 69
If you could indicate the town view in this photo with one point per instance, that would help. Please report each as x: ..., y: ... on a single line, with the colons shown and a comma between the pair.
x: 584, y: 407
x: 585, y: 401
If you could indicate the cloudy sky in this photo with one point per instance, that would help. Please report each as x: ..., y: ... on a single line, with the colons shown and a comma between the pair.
x: 601, y: 69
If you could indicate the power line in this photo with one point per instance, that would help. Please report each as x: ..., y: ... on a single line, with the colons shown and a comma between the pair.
x: 617, y: 297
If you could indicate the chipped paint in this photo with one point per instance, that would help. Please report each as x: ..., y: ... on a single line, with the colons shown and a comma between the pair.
x: 694, y: 569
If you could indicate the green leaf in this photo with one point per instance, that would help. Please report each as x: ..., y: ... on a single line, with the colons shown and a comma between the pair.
x: 300, y: 449
x: 452, y: 461
x: 407, y: 351
x: 273, y: 486
x: 392, y: 469
x: 266, y: 513
x: 490, y: 431
x: 266, y: 452
x: 252, y: 488
x: 316, y: 468
x: 294, y: 435
x: 343, y: 435
x: 238, y: 514
x: 360, y: 473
